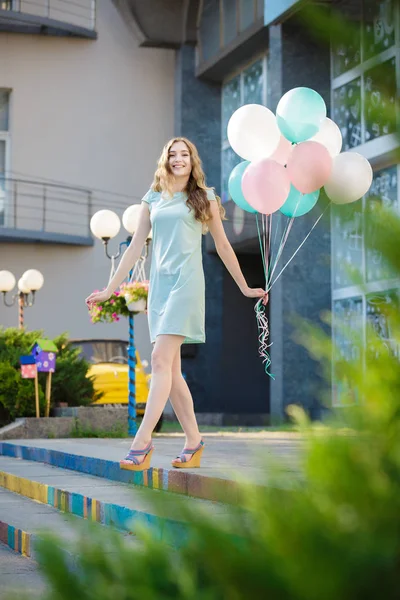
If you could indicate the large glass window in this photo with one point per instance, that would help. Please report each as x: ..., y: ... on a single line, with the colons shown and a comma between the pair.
x: 362, y: 281
x: 364, y: 74
x: 4, y: 145
x: 248, y: 86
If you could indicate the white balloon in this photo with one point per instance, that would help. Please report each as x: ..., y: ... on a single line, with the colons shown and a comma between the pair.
x: 350, y: 179
x: 253, y: 132
x: 329, y: 136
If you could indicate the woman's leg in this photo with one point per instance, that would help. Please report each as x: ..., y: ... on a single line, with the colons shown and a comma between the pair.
x: 162, y: 358
x: 182, y: 403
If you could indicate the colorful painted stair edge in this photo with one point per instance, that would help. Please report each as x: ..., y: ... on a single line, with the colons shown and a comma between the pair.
x: 170, y: 480
x: 16, y: 539
x: 111, y: 515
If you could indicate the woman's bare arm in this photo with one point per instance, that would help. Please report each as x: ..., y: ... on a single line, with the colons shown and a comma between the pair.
x: 129, y: 258
x: 228, y: 256
x: 133, y: 252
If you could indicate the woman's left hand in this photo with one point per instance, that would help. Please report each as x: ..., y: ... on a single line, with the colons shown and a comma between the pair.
x: 256, y: 293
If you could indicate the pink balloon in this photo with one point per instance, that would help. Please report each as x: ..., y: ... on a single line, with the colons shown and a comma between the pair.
x: 309, y: 167
x: 283, y: 151
x: 266, y: 185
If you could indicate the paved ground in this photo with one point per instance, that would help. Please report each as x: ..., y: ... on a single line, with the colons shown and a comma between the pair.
x: 103, y: 490
x: 19, y: 573
x: 230, y: 456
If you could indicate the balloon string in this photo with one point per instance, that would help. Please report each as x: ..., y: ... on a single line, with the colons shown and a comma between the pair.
x: 285, y: 236
x: 261, y: 247
x: 268, y: 246
x: 260, y: 308
x: 279, y: 250
x: 282, y: 244
x: 263, y: 335
x: 264, y: 221
x: 301, y: 245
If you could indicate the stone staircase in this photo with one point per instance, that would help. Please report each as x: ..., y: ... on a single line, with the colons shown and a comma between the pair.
x: 37, y: 497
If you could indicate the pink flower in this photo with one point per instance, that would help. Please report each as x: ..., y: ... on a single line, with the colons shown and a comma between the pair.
x: 114, y: 315
x: 99, y: 308
x: 112, y: 301
x: 116, y: 293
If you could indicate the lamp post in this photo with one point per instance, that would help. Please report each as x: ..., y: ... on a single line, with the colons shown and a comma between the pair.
x: 30, y: 282
x: 105, y: 225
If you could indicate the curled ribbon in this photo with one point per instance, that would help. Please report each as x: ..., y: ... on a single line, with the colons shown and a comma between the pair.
x: 263, y: 335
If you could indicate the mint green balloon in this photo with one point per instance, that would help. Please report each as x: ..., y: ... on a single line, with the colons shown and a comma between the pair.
x: 235, y: 187
x: 298, y: 204
x: 300, y: 114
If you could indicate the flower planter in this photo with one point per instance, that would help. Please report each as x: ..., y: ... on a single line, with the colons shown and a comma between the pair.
x: 138, y: 306
x: 130, y: 298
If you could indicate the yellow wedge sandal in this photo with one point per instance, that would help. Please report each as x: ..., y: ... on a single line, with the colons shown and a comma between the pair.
x: 131, y: 462
x: 192, y: 462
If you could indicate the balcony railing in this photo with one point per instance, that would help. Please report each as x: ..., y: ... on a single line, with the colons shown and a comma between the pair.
x: 72, y: 17
x: 36, y: 211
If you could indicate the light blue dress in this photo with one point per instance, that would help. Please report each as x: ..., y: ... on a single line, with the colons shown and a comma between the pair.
x: 176, y: 302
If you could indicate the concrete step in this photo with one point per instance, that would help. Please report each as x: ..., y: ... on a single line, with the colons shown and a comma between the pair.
x: 22, y: 520
x: 227, y: 461
x: 19, y: 574
x: 181, y: 481
x: 113, y: 504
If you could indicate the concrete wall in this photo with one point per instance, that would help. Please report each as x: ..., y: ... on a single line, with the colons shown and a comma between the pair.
x: 87, y: 113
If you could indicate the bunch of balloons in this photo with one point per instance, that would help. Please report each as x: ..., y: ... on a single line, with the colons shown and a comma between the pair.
x: 291, y: 156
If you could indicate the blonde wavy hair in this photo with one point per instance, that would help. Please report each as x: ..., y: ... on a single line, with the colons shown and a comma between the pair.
x: 196, y: 188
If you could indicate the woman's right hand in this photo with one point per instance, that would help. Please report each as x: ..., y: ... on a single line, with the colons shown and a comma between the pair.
x: 97, y: 297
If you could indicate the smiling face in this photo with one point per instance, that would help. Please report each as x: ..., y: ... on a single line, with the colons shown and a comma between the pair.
x: 179, y: 160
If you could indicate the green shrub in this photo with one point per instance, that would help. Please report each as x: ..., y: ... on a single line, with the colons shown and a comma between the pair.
x: 69, y: 382
x: 15, y: 343
x: 17, y: 395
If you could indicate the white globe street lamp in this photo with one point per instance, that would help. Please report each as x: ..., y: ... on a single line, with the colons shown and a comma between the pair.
x: 130, y: 220
x: 30, y: 282
x: 33, y: 279
x: 7, y: 281
x: 105, y: 225
x: 23, y: 287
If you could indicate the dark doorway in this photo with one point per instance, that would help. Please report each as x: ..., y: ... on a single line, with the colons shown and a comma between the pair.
x: 245, y: 383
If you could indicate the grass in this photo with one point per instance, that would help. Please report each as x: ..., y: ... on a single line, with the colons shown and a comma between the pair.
x: 120, y: 431
x: 174, y: 427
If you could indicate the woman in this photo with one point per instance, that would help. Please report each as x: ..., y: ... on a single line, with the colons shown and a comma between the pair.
x: 179, y: 207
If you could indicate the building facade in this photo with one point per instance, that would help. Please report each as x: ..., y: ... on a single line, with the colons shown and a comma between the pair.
x: 183, y: 67
x: 84, y: 112
x: 234, y: 52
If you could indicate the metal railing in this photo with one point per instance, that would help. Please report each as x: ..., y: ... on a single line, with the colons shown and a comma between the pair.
x: 81, y: 13
x: 44, y: 207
